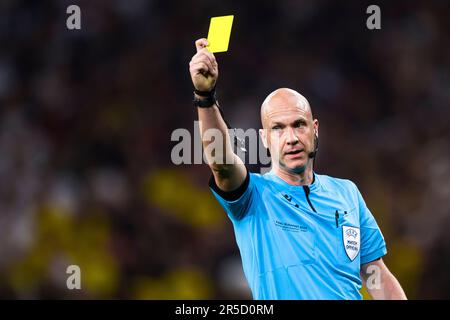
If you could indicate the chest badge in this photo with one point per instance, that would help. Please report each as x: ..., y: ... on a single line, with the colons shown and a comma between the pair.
x: 351, y: 238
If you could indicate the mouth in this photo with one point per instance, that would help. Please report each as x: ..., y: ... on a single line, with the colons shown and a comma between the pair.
x: 294, y: 153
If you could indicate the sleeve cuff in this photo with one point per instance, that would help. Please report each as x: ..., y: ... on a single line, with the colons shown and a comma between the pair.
x: 374, y: 255
x: 230, y: 195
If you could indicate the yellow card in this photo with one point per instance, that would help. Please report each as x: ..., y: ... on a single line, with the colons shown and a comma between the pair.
x: 219, y: 33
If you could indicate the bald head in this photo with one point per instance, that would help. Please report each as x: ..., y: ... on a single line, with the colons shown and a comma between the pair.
x: 284, y: 100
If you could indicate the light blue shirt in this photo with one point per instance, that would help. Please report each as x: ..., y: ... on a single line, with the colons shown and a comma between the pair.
x: 296, y: 244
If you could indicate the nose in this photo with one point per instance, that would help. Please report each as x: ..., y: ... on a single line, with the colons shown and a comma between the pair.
x: 291, y: 137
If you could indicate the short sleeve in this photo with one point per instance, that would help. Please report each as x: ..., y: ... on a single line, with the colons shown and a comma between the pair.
x: 373, y: 245
x: 236, y: 203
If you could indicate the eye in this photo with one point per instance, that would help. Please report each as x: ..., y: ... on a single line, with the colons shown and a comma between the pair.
x: 276, y: 127
x: 298, y: 124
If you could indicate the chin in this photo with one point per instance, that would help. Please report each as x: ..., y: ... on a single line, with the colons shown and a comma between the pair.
x: 295, y: 166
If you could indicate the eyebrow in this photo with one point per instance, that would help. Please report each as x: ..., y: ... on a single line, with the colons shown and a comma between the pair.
x: 275, y: 123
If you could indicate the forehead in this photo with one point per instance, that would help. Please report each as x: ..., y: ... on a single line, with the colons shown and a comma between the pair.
x: 286, y: 109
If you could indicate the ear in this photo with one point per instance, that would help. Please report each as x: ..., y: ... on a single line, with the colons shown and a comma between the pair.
x: 263, y: 135
x: 316, y: 128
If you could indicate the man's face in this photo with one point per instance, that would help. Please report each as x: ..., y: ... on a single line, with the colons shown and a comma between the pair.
x: 289, y: 131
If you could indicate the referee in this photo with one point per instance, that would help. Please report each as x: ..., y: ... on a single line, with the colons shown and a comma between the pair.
x: 301, y: 235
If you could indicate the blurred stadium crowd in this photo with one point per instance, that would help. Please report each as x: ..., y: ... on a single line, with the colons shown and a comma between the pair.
x: 86, y: 118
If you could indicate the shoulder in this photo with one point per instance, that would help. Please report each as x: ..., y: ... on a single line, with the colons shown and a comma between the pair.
x: 257, y: 180
x: 341, y: 184
x: 259, y: 177
x: 267, y: 179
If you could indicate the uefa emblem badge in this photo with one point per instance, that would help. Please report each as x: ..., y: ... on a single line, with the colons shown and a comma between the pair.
x: 351, y: 238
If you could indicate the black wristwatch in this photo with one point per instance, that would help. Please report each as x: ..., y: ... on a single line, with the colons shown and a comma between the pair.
x: 209, y: 101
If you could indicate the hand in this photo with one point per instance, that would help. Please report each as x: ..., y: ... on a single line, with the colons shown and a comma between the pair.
x: 203, y: 67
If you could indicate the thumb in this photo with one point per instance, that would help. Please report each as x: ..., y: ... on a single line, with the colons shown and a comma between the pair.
x: 200, y: 44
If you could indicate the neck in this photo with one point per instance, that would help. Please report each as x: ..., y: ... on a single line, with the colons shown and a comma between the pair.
x: 293, y: 178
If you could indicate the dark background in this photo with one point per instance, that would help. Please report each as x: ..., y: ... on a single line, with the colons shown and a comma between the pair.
x: 86, y: 118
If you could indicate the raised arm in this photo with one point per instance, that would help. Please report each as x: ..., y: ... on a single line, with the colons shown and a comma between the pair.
x: 228, y: 169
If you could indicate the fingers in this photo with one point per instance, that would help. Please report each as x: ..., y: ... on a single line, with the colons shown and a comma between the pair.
x: 204, y: 61
x: 208, y: 60
x: 199, y: 66
x: 200, y: 44
x: 210, y: 56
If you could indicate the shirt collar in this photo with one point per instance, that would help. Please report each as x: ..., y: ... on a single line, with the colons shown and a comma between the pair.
x: 314, y: 186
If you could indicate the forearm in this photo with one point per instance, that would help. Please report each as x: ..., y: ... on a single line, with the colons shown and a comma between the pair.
x: 389, y: 289
x: 215, y: 138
